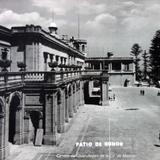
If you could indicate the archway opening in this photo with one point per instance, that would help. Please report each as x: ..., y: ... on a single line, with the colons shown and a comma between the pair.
x: 92, y: 92
x: 35, y: 119
x: 14, y: 105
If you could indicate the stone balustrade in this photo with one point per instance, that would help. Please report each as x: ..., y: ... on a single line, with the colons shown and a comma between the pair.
x: 46, y: 77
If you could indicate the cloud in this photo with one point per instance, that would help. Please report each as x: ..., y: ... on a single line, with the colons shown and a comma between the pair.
x: 90, y: 8
x: 129, y: 4
x: 153, y: 9
x: 141, y: 18
x: 135, y: 23
x: 60, y: 7
x: 9, y: 18
x: 103, y: 20
x: 100, y: 33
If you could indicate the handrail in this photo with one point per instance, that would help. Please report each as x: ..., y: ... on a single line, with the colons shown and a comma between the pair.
x: 51, y: 77
x: 40, y: 76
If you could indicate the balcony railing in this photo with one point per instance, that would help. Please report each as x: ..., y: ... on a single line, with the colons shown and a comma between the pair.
x: 8, y: 78
x: 14, y: 79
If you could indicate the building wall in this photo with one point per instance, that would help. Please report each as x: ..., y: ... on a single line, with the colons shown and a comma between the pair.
x: 50, y: 50
x: 33, y: 55
x: 17, y: 55
x: 119, y: 79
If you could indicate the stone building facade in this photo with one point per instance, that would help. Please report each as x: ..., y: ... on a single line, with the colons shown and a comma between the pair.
x: 120, y: 69
x: 42, y: 83
x: 44, y: 88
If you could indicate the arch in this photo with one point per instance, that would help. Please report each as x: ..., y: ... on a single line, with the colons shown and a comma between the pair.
x: 15, y: 101
x: 74, y: 87
x: 35, y: 117
x: 70, y: 100
x: 59, y: 96
x: 2, y: 106
x: 69, y: 90
x: 66, y: 92
x: 15, y: 105
x: 77, y: 85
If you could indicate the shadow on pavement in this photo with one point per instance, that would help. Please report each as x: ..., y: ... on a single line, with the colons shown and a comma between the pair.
x: 157, y: 145
x: 130, y: 109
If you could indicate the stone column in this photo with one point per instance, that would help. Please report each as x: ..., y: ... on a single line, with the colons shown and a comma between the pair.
x: 110, y: 67
x: 70, y: 104
x: 78, y: 98
x: 93, y: 66
x: 26, y: 127
x: 81, y: 93
x: 100, y: 65
x: 2, y: 138
x: 2, y: 131
x: 74, y: 99
x: 66, y: 107
x: 61, y: 113
x: 19, y: 127
x: 6, y: 129
x: 104, y: 89
x: 122, y: 67
x: 50, y: 119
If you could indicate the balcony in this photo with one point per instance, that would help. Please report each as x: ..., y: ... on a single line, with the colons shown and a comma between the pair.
x: 14, y: 80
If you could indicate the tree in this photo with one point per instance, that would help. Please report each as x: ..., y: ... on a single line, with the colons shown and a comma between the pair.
x: 135, y: 52
x: 145, y: 64
x: 155, y: 58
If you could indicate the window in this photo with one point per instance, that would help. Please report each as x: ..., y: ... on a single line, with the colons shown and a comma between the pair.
x: 116, y: 66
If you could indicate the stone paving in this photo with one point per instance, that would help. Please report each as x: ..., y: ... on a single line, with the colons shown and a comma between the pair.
x: 131, y: 124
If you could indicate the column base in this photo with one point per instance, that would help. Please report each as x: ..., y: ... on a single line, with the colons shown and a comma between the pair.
x: 18, y: 138
x: 61, y: 128
x: 50, y: 139
x: 4, y: 153
x: 67, y: 119
x: 75, y: 109
x: 71, y: 115
x: 105, y: 103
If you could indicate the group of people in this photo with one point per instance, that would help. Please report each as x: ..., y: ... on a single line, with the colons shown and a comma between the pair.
x: 142, y: 92
x: 113, y: 97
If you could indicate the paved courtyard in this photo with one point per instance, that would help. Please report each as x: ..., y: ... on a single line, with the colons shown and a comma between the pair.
x: 128, y: 129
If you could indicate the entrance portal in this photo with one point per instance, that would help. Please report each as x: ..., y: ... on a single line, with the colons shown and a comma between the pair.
x: 14, y: 107
x: 35, y: 119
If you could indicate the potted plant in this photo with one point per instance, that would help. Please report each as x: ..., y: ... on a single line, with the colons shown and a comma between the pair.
x: 61, y: 65
x: 4, y: 62
x: 21, y: 65
x: 52, y: 65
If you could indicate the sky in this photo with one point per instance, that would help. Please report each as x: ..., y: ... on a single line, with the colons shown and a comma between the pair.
x: 107, y: 25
